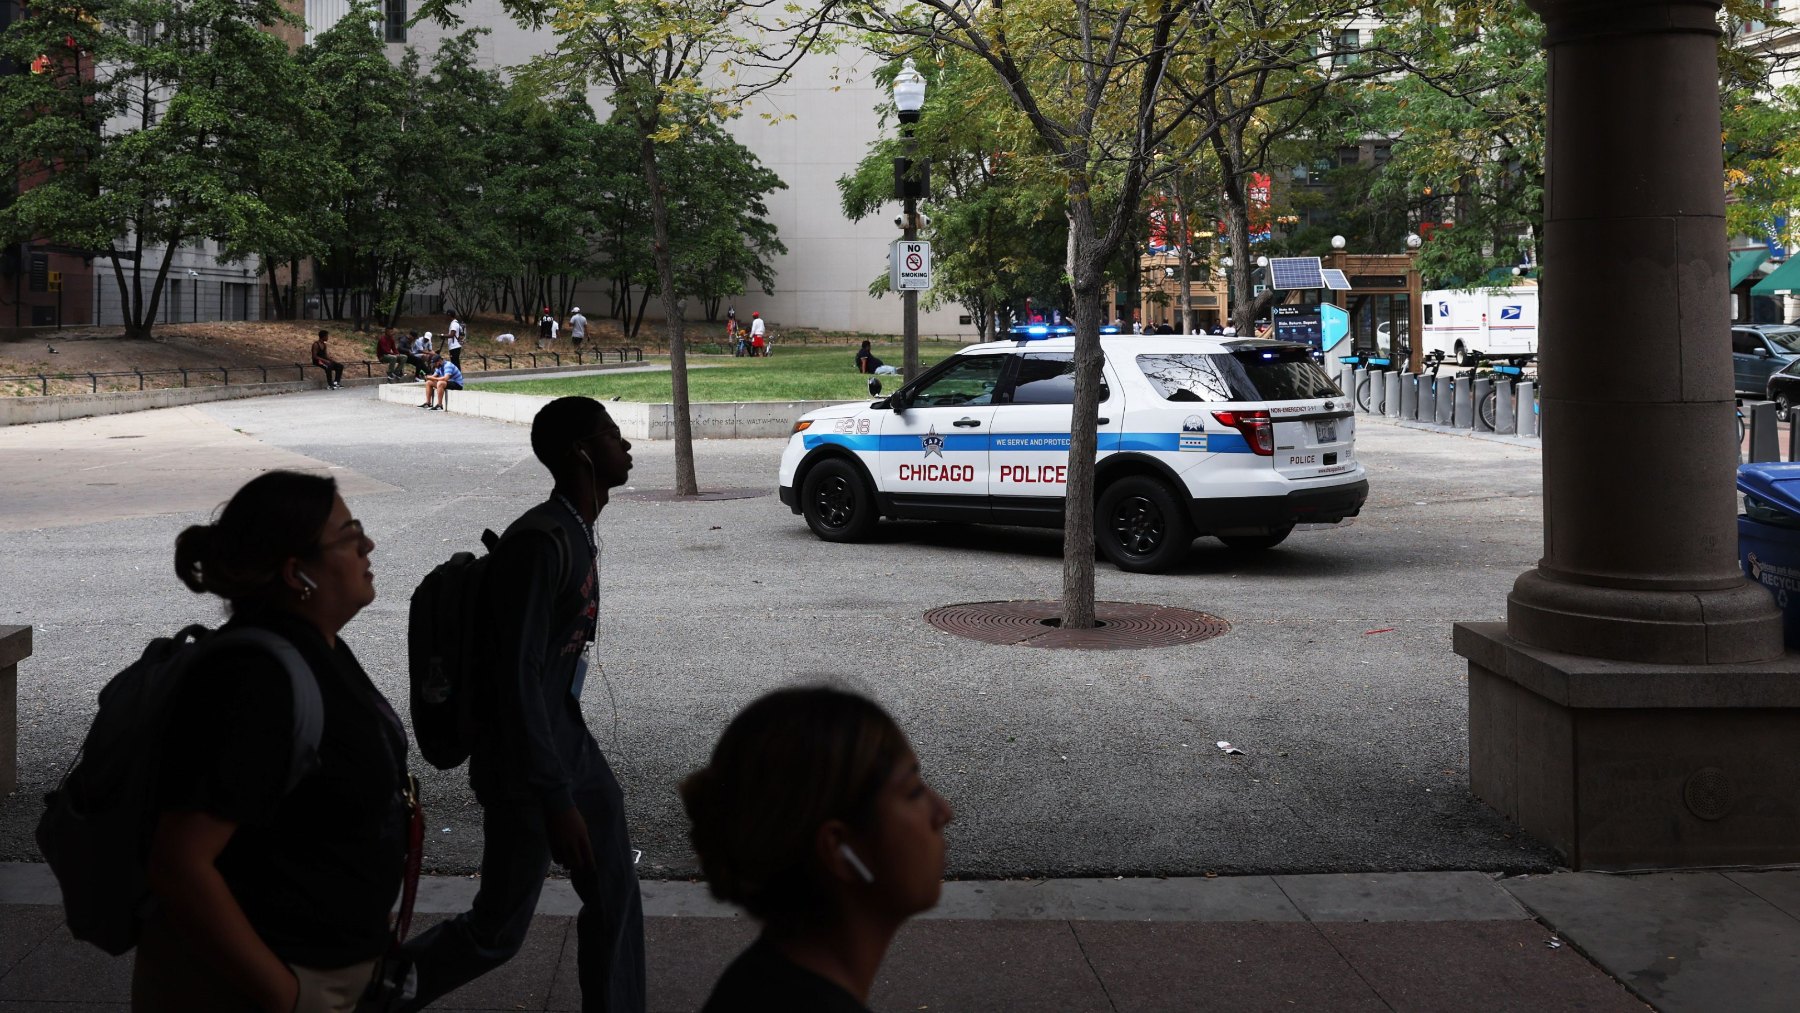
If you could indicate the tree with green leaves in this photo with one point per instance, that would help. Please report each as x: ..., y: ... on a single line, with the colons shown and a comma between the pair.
x: 1103, y: 87
x: 998, y: 233
x: 130, y: 137
x: 669, y: 67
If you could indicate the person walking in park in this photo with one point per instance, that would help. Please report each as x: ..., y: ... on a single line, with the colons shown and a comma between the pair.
x: 321, y: 357
x: 813, y: 816
x: 546, y: 328
x: 577, y: 328
x: 545, y: 788
x: 273, y: 897
x: 758, y: 336
x: 445, y: 377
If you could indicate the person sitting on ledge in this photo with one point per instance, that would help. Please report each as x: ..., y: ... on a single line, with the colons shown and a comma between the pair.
x: 445, y: 377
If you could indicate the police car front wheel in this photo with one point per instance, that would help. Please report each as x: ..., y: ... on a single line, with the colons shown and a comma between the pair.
x: 1141, y: 525
x: 836, y: 502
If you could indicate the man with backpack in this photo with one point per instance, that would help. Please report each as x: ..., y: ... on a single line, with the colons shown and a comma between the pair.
x: 546, y: 790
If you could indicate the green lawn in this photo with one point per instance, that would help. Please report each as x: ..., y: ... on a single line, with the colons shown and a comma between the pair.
x: 791, y: 374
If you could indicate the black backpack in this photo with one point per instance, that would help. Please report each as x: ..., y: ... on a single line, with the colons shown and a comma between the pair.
x: 96, y: 827
x: 446, y: 647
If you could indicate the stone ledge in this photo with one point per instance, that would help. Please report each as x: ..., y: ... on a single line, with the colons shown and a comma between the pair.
x: 15, y: 644
x: 1571, y: 680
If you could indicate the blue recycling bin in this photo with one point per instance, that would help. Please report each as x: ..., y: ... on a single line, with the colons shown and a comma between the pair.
x: 1769, y: 536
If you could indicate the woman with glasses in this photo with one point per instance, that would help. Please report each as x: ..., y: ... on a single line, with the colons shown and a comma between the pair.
x: 275, y: 867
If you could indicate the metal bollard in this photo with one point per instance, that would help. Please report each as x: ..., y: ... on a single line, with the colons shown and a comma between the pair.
x: 1357, y: 380
x: 1505, y: 419
x: 1476, y: 397
x: 1464, y: 416
x: 1347, y: 381
x: 1390, y: 400
x: 1427, y: 398
x: 1409, y: 396
x: 1793, y: 435
x: 1765, y: 445
x: 1525, y: 408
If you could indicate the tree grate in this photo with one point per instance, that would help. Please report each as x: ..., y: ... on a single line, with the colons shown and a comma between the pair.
x: 1123, y: 626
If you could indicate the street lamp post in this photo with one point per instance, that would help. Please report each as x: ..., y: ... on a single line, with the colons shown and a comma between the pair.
x: 909, y: 98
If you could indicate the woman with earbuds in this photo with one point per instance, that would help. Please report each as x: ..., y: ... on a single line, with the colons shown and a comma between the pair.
x: 274, y: 883
x: 813, y: 816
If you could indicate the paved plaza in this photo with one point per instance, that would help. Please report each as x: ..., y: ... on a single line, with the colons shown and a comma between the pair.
x: 1108, y: 855
x: 1336, y: 678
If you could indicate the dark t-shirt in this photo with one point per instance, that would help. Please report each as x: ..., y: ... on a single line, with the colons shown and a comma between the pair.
x: 316, y: 870
x: 761, y: 980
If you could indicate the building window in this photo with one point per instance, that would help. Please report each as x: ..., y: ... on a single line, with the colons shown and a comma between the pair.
x: 396, y: 20
x: 1348, y: 156
x: 1348, y: 41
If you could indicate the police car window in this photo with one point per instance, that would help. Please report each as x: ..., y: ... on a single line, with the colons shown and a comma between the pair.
x: 1192, y: 376
x: 969, y: 381
x: 1283, y: 374
x: 1048, y: 378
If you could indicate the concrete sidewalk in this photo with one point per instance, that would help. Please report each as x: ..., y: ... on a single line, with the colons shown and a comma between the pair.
x: 1384, y: 941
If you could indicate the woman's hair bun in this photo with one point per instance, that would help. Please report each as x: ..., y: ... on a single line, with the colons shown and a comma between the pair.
x: 192, y: 549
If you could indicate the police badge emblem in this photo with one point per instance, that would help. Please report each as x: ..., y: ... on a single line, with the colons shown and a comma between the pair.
x: 932, y: 443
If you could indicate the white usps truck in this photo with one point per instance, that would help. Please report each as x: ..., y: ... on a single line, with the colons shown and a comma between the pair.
x: 1492, y: 323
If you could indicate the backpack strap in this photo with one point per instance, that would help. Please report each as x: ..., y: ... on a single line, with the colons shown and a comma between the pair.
x: 309, y: 706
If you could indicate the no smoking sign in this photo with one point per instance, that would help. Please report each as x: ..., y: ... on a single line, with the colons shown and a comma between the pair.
x: 909, y: 266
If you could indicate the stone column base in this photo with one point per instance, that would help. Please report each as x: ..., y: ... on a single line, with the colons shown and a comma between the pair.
x: 1627, y: 765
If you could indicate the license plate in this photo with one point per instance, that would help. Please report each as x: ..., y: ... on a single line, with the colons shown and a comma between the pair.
x: 1327, y: 431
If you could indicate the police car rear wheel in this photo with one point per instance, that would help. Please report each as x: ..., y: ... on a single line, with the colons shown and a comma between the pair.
x: 1257, y: 542
x: 837, y: 503
x: 1141, y: 526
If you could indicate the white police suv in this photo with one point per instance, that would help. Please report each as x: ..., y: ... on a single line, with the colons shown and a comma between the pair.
x: 1238, y: 439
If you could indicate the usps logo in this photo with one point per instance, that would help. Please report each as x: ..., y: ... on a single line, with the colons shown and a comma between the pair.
x: 1511, y: 312
x: 1443, y: 309
x: 932, y: 443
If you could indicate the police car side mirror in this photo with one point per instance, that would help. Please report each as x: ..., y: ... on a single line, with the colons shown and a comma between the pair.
x: 874, y: 386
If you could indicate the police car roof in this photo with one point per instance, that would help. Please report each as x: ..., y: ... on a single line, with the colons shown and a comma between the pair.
x: 1128, y: 344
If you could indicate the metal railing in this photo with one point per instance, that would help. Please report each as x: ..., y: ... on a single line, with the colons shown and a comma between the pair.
x: 202, y: 374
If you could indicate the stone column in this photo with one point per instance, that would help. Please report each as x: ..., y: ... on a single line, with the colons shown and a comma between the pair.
x: 1639, y: 475
x: 15, y: 646
x: 1636, y: 709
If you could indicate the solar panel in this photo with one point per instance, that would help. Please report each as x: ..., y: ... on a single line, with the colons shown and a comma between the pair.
x: 1335, y: 280
x: 1295, y: 272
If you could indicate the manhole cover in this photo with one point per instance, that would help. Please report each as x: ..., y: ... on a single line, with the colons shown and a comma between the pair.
x: 704, y: 496
x: 1123, y: 625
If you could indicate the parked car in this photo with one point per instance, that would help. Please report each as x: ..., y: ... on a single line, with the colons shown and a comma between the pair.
x: 1758, y: 351
x: 1241, y: 439
x: 1784, y: 389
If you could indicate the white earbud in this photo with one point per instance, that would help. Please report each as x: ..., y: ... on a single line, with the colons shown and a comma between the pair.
x: 856, y: 863
x: 304, y: 579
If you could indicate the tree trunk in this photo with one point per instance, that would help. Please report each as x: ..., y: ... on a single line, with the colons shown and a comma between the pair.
x: 685, y: 482
x: 1186, y: 262
x: 1078, y: 511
